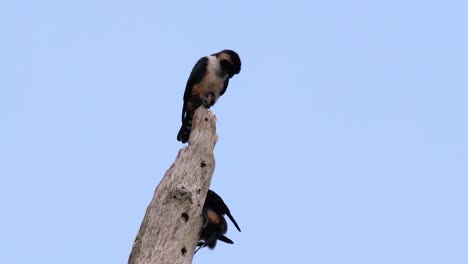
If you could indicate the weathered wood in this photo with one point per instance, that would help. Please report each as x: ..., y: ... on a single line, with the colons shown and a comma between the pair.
x: 171, y: 226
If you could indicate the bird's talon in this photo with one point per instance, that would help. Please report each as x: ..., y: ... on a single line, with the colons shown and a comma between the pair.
x: 206, y: 103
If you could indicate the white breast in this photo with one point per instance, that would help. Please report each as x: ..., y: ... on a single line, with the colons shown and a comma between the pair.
x: 214, y: 67
x: 213, y: 64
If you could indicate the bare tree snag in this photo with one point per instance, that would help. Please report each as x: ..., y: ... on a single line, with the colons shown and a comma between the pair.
x: 171, y: 226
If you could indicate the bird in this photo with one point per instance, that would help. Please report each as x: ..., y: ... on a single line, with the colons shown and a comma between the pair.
x: 214, y: 224
x: 208, y: 80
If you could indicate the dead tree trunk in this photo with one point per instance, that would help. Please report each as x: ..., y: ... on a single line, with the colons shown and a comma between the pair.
x: 171, y: 226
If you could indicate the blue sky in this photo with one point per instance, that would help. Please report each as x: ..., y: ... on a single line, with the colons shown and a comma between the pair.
x: 342, y: 140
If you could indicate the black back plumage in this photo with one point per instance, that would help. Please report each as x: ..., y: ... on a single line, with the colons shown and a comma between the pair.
x: 215, y: 230
x: 214, y: 201
x: 197, y: 74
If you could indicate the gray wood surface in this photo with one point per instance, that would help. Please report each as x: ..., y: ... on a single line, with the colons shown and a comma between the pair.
x: 171, y: 226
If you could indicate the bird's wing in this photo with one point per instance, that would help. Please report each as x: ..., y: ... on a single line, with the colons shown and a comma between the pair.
x: 197, y: 74
x: 216, y: 202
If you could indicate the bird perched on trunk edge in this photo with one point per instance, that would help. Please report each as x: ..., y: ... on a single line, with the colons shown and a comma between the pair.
x: 214, y: 224
x: 208, y: 80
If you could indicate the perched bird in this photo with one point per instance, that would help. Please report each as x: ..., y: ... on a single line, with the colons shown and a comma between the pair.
x: 214, y: 224
x: 208, y: 80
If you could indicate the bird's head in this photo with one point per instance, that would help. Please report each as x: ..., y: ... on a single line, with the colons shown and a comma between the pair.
x: 230, y: 61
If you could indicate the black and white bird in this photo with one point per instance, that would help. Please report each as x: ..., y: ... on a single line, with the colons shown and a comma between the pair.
x: 208, y: 80
x: 214, y: 224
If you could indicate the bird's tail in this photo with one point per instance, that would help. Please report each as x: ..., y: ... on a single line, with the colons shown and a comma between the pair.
x: 225, y: 239
x: 233, y: 220
x: 186, y: 128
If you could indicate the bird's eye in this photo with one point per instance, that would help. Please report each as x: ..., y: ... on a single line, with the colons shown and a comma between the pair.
x: 227, y: 66
x: 225, y: 63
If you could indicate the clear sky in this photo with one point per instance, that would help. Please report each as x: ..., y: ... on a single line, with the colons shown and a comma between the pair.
x: 344, y: 139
